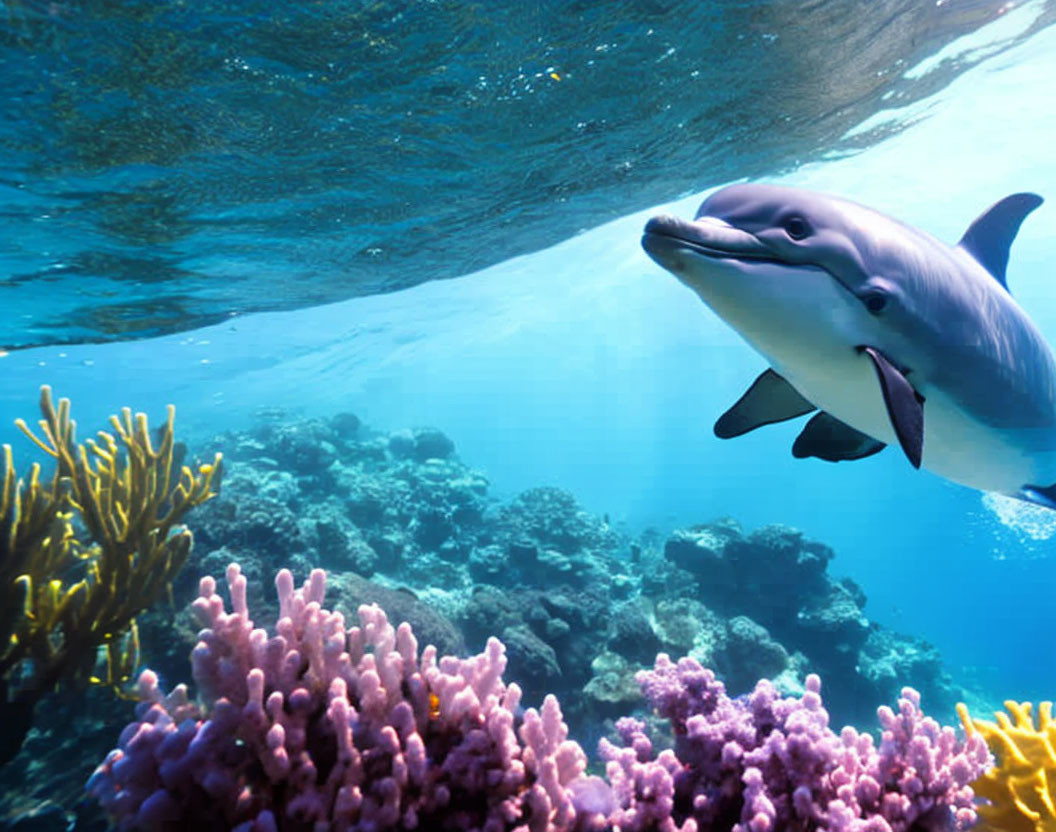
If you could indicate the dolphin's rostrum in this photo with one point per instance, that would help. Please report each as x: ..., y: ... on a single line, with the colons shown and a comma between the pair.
x: 893, y: 335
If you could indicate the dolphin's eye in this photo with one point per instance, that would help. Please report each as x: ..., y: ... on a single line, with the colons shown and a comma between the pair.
x: 797, y: 227
x: 875, y: 301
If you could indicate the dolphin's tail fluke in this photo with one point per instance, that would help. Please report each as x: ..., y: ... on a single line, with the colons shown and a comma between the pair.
x: 1038, y: 495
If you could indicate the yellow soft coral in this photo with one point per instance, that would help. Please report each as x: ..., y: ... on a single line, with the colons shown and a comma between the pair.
x: 1021, y: 788
x: 84, y: 552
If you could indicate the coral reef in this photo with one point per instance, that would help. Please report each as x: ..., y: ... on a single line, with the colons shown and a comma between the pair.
x: 323, y: 727
x: 328, y: 493
x: 556, y: 583
x: 581, y: 607
x: 1021, y: 788
x: 349, y: 729
x: 82, y: 555
x: 780, y: 581
x: 805, y: 608
x: 761, y: 762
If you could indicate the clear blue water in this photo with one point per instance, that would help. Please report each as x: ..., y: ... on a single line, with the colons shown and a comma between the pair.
x: 249, y: 178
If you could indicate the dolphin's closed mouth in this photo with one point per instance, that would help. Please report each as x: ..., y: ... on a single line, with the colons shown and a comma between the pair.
x: 707, y: 236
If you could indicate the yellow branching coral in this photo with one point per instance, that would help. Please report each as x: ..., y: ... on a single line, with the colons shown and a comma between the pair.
x: 1021, y: 788
x: 85, y: 551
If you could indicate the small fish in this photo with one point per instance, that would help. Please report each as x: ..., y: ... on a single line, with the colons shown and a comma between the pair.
x: 894, y: 336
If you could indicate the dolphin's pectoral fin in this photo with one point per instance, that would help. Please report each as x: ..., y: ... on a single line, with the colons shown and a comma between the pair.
x: 826, y: 437
x: 770, y: 399
x: 905, y: 406
x: 989, y: 238
x: 1039, y: 495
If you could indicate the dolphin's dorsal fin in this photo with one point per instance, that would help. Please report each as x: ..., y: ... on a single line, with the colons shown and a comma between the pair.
x: 989, y: 238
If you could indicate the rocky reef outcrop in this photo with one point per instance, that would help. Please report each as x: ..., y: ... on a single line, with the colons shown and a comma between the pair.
x: 580, y: 606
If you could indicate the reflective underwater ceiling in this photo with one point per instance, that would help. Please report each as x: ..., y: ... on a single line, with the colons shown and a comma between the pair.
x: 386, y: 258
x: 166, y: 165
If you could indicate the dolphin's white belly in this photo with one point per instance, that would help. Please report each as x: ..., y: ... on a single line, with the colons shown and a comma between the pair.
x: 956, y: 446
x: 816, y: 355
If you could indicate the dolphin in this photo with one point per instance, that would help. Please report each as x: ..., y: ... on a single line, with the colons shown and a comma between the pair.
x: 892, y: 336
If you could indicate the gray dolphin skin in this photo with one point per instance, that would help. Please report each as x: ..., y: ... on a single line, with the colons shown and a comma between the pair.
x: 892, y: 336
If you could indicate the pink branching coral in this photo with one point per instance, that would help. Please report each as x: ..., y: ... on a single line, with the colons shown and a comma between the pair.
x: 323, y: 727
x: 764, y: 763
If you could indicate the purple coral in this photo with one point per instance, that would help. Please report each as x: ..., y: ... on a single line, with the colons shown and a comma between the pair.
x: 320, y: 726
x: 762, y: 762
x: 323, y: 727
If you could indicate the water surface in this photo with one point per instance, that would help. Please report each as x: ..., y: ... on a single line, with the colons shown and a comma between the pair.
x: 169, y: 165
